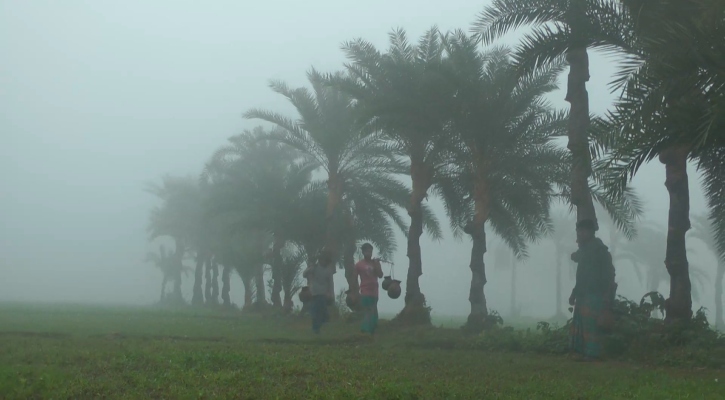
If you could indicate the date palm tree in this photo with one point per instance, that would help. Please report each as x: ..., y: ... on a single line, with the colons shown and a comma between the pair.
x: 569, y: 29
x: 671, y: 108
x: 509, y: 166
x: 404, y: 94
x: 361, y: 188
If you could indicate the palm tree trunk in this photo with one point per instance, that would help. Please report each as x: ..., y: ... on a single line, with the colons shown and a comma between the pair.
x: 214, y: 282
x: 277, y: 273
x: 477, y: 229
x: 514, y: 309
x: 334, y: 198
x: 197, y: 297
x: 287, y: 281
x: 207, y: 278
x: 578, y: 145
x: 559, y: 311
x: 163, y: 289
x: 259, y: 285
x: 226, y: 285
x: 479, y: 310
x: 415, y: 311
x: 719, y: 322
x: 178, y: 263
x: 678, y: 306
x: 247, y: 282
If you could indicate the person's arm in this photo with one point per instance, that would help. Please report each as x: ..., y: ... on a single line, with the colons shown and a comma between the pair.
x: 378, y: 268
x: 307, y: 273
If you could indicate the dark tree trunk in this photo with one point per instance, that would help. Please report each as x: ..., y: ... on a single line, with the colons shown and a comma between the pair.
x: 163, y: 289
x: 719, y: 321
x: 332, y: 213
x: 178, y: 263
x: 226, y: 285
x: 214, y: 282
x: 477, y: 229
x: 207, y: 278
x: 415, y: 311
x: 514, y: 308
x: 559, y: 311
x: 578, y: 145
x: 197, y: 297
x: 277, y: 274
x: 479, y: 310
x: 247, y: 282
x: 678, y: 306
x: 259, y: 285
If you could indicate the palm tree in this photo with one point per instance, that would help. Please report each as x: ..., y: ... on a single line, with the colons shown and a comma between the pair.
x: 670, y: 109
x: 177, y: 218
x: 170, y: 269
x: 509, y: 166
x: 569, y: 29
x: 404, y: 94
x: 704, y: 231
x: 262, y: 184
x: 646, y: 251
x: 359, y: 167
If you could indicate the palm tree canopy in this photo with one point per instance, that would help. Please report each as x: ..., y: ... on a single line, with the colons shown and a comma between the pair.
x: 556, y: 26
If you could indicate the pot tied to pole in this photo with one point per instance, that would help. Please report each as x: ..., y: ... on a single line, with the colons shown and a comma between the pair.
x: 386, y: 282
x: 394, y: 289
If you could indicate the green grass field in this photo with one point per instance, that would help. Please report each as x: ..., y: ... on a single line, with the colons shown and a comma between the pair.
x: 81, y: 352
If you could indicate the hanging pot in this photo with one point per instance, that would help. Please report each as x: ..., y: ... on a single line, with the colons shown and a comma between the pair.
x: 394, y: 289
x: 305, y: 294
x: 386, y: 282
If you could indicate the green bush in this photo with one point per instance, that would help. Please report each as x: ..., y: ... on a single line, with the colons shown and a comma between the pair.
x: 636, y: 336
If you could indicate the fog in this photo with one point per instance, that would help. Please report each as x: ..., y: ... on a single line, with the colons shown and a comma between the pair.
x: 99, y: 98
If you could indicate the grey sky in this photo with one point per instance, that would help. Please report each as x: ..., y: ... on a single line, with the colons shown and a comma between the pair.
x: 99, y: 97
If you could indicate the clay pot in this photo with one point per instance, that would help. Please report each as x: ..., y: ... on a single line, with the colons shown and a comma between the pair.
x: 394, y: 289
x: 305, y: 294
x: 386, y: 282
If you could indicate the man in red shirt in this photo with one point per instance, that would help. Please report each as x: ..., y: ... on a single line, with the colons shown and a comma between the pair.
x: 369, y: 270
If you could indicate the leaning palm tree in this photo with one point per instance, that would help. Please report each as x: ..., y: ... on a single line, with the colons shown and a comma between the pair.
x: 404, y: 94
x: 569, y: 29
x: 704, y: 231
x: 326, y: 132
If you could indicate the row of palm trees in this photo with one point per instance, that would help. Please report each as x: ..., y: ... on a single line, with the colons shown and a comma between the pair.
x: 469, y: 125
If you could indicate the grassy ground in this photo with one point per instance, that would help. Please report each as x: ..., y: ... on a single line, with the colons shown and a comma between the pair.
x: 90, y: 352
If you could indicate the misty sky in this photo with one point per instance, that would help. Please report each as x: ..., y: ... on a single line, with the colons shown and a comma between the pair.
x: 98, y: 98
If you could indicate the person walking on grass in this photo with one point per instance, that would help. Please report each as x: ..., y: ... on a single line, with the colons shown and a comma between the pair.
x: 593, y: 293
x: 320, y: 281
x: 368, y: 270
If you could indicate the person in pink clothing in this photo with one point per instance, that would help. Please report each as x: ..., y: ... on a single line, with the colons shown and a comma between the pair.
x: 369, y: 270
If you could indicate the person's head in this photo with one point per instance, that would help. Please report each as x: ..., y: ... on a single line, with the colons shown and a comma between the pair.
x: 585, y: 230
x: 367, y: 250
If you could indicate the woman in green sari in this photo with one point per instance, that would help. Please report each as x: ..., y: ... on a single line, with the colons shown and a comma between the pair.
x: 593, y: 293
